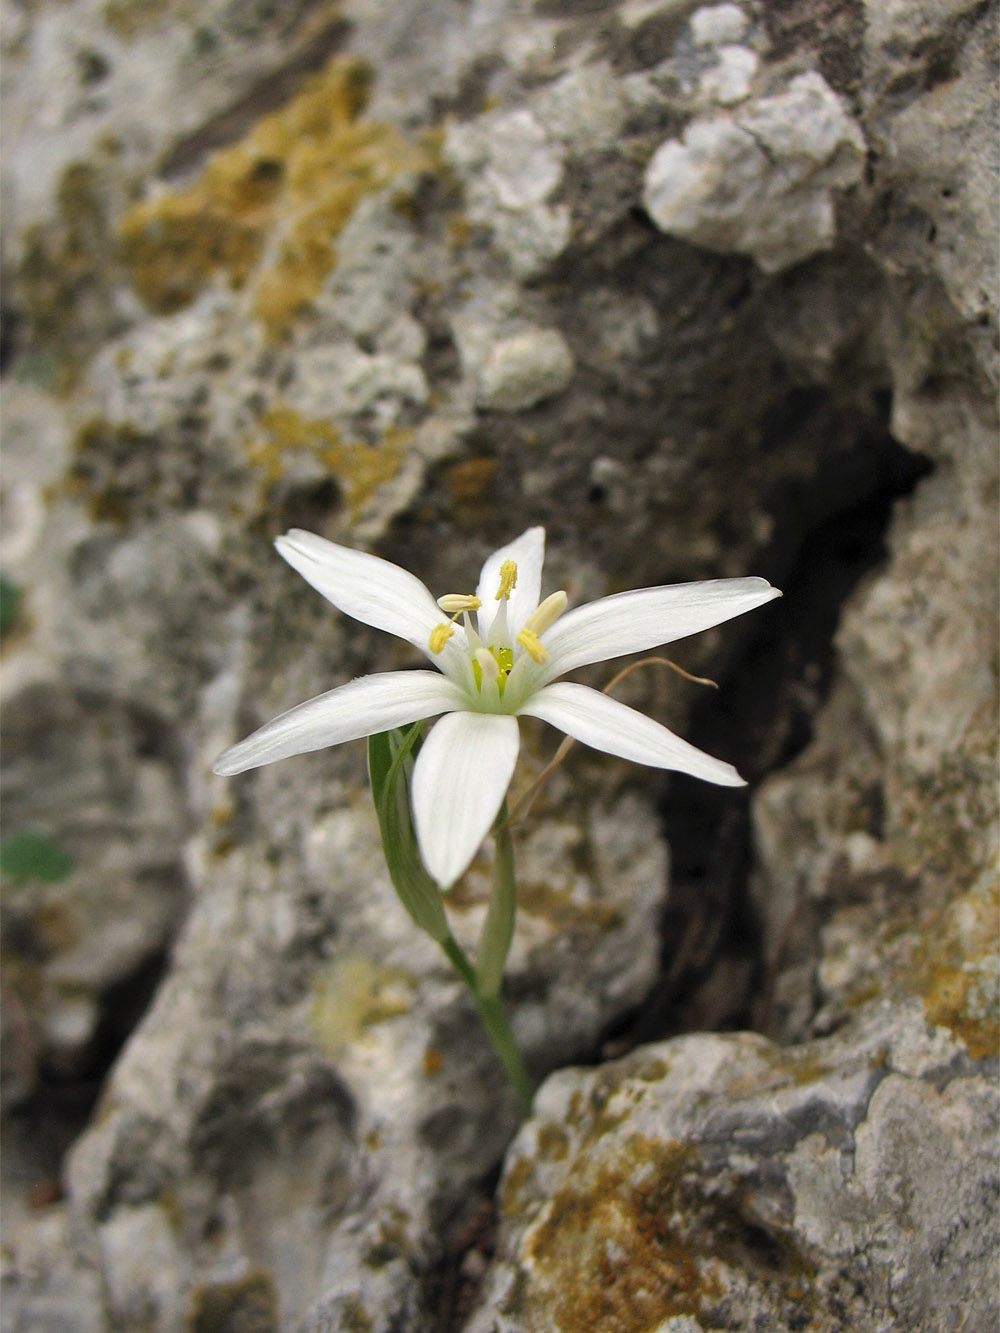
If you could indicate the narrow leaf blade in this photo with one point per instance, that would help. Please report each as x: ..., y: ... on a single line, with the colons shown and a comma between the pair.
x: 388, y: 754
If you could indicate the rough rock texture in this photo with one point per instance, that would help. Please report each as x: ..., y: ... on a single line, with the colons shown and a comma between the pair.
x: 759, y: 182
x: 842, y: 1184
x: 708, y: 291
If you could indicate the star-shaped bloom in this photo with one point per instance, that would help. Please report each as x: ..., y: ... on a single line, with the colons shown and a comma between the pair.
x: 498, y: 653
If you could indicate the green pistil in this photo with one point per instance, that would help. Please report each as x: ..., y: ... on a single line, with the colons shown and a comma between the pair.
x: 504, y: 658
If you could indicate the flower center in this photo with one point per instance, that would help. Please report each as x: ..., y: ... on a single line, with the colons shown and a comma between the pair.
x: 494, y: 661
x: 492, y: 664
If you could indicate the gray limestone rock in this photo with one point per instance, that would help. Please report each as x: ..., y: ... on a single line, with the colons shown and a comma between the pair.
x: 720, y: 1182
x: 520, y: 371
x: 387, y: 272
x: 311, y: 1087
x: 718, y: 25
x: 511, y: 167
x: 759, y: 181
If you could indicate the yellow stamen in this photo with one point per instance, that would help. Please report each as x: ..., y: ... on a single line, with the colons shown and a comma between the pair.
x: 440, y: 635
x: 531, y: 644
x: 455, y: 602
x: 549, y: 611
x: 508, y: 580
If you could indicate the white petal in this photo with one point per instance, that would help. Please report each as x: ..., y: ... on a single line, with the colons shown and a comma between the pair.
x: 632, y: 622
x: 359, y: 708
x: 528, y: 553
x: 605, y: 724
x: 364, y: 586
x: 461, y: 776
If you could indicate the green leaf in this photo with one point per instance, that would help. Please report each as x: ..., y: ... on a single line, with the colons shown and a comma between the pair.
x: 389, y: 756
x: 10, y: 603
x: 389, y: 753
x: 26, y: 856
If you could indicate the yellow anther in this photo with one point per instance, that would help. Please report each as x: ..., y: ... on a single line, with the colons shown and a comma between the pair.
x: 508, y: 580
x: 456, y: 602
x: 440, y: 635
x: 531, y: 644
x: 547, y: 613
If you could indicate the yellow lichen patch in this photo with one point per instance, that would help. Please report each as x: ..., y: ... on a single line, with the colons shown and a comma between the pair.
x: 131, y: 18
x: 172, y: 1208
x: 473, y: 481
x: 433, y: 1062
x: 249, y: 1301
x: 58, y: 927
x: 174, y: 244
x: 608, y: 1251
x: 393, y: 1240
x: 607, y: 1105
x: 650, y: 1070
x: 354, y: 1318
x: 553, y: 1142
x: 562, y: 910
x: 512, y: 1187
x: 100, y: 472
x: 459, y: 230
x: 641, y: 1229
x: 960, y: 971
x: 221, y: 819
x: 358, y: 468
x: 268, y: 209
x: 352, y: 996
x: 472, y: 489
x: 63, y: 282
x: 773, y: 1067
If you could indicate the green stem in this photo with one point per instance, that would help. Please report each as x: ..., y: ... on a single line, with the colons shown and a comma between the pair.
x: 498, y: 928
x: 495, y: 1022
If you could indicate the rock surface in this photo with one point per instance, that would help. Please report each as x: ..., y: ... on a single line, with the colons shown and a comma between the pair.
x: 720, y: 1182
x: 760, y: 181
x: 706, y: 290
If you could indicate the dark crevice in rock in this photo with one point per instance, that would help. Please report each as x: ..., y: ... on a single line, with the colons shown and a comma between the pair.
x: 644, y: 44
x: 123, y: 1007
x: 473, y: 90
x: 560, y: 9
x: 451, y: 1287
x: 833, y: 30
x: 52, y: 737
x: 830, y: 532
x: 11, y: 331
x: 39, y: 1131
x: 265, y: 95
x: 934, y: 59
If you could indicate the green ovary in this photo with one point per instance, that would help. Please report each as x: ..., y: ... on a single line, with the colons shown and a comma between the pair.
x: 504, y: 658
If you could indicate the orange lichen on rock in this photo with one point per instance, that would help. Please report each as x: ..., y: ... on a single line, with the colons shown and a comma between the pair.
x: 266, y: 211
x: 608, y: 1246
x: 472, y: 481
x: 432, y: 1063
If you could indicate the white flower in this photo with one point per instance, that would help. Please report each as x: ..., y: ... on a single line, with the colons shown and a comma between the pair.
x: 498, y: 653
